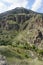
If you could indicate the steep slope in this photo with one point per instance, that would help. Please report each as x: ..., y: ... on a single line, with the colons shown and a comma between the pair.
x: 22, y: 20
x: 18, y: 32
x: 20, y: 16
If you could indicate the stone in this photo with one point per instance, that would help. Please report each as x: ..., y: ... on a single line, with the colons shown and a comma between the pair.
x: 3, y: 60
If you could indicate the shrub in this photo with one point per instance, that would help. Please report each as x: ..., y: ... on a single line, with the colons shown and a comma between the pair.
x: 5, y: 42
x: 40, y: 52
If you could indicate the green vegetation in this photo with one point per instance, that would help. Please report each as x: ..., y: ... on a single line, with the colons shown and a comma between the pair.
x: 18, y: 30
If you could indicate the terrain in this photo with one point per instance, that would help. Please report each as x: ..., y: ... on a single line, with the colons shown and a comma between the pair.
x: 18, y: 31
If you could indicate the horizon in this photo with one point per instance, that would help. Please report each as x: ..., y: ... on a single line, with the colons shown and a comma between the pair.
x: 21, y: 7
x: 34, y: 5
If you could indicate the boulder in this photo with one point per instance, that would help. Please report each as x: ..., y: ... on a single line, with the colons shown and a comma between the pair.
x: 3, y: 60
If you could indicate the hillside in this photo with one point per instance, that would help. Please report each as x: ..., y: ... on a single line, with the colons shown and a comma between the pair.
x: 21, y: 36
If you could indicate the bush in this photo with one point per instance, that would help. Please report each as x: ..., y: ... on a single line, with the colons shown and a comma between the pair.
x: 40, y: 52
x: 5, y: 42
x: 33, y: 47
x: 26, y: 56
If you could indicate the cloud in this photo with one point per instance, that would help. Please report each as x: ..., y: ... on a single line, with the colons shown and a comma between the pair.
x: 4, y: 4
x: 19, y: 3
x: 2, y: 7
x: 36, y: 5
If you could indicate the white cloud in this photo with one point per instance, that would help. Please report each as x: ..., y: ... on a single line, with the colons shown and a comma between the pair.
x: 36, y: 5
x: 2, y: 7
x: 9, y: 1
x: 13, y: 4
x: 19, y: 3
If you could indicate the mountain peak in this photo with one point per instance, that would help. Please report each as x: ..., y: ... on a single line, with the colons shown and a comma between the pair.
x: 21, y: 10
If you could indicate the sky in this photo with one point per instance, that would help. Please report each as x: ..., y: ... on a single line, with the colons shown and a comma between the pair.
x: 35, y: 5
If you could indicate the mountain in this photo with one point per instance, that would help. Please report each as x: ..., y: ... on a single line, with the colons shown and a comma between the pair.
x: 21, y: 36
x: 19, y: 16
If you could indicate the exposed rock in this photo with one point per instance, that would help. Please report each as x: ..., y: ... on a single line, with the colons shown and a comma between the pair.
x: 3, y: 60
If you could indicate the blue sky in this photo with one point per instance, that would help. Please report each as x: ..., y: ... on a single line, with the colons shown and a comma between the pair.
x: 35, y: 5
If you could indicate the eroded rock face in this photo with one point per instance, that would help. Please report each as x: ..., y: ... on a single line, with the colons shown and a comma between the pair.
x: 3, y: 60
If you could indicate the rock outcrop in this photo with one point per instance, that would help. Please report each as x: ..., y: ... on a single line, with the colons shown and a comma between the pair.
x: 3, y: 60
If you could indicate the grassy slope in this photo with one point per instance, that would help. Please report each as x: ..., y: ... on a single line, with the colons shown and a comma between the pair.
x: 19, y: 56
